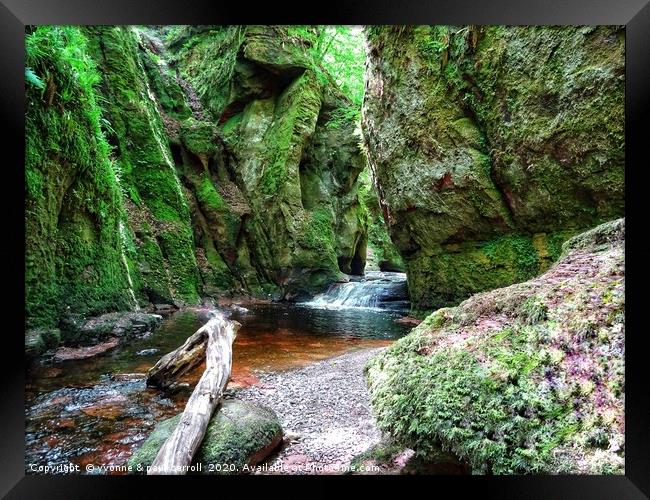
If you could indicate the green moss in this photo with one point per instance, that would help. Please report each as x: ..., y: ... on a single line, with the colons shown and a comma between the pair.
x: 199, y: 136
x: 446, y: 278
x: 143, y: 154
x: 518, y: 148
x: 178, y: 250
x: 207, y: 60
x: 163, y: 83
x: 232, y: 123
x: 235, y: 434
x: 208, y: 195
x: 73, y: 209
x: 153, y: 269
x: 537, y: 394
x: 492, y: 416
x: 295, y: 116
x: 221, y: 275
x: 533, y: 310
x: 381, y: 453
x: 384, y: 254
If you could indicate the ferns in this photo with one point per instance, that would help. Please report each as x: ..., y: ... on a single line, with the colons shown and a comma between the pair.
x: 33, y: 79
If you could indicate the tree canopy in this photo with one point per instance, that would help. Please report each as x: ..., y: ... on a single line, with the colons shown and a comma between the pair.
x: 341, y: 52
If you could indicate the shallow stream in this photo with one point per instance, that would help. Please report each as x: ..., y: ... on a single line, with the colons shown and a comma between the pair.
x: 95, y: 412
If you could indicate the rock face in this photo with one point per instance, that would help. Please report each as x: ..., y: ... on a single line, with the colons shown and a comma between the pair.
x: 491, y: 145
x: 284, y: 170
x: 73, y: 208
x: 182, y: 163
x: 523, y: 379
x: 381, y: 253
x: 239, y: 434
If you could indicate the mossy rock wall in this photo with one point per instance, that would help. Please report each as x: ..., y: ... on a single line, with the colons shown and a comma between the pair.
x: 159, y: 215
x: 492, y: 142
x: 163, y: 164
x: 74, y: 249
x: 288, y: 174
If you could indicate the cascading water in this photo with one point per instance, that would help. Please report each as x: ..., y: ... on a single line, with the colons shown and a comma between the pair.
x: 376, y: 290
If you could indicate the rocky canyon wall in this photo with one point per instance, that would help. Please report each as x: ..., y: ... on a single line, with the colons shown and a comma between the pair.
x: 167, y: 164
x: 491, y: 146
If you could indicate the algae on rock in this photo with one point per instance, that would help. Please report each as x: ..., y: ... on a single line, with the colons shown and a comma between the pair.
x: 491, y: 145
x: 523, y: 379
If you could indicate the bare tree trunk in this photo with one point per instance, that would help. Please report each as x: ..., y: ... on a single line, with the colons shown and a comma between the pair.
x: 173, y: 365
x: 176, y: 454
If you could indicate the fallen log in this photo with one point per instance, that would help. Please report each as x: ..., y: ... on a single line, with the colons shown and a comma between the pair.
x: 175, y: 364
x: 176, y: 454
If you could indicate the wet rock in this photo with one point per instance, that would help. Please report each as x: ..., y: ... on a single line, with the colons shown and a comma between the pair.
x: 146, y: 352
x: 408, y: 320
x: 239, y: 433
x: 70, y: 353
x: 164, y: 309
x: 120, y: 324
x: 39, y: 340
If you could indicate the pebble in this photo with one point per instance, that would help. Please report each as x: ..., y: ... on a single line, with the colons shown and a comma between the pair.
x: 324, y: 409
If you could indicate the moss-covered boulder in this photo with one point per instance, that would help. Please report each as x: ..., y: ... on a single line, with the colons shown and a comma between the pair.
x: 239, y: 434
x: 491, y: 145
x: 523, y: 379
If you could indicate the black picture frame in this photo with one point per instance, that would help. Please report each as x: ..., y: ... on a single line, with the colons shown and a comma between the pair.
x: 634, y: 14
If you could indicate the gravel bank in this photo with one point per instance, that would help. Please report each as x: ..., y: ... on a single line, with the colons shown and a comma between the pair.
x: 324, y: 410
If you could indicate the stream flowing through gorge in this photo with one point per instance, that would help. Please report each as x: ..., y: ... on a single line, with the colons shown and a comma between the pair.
x: 98, y: 410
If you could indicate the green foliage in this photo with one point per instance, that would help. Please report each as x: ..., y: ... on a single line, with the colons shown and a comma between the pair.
x: 341, y: 52
x: 343, y: 116
x: 31, y: 78
x: 534, y: 310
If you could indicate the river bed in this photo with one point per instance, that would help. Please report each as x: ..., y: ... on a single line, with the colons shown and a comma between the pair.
x: 96, y: 412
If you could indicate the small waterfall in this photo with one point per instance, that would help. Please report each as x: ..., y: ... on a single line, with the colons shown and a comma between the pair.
x: 376, y: 290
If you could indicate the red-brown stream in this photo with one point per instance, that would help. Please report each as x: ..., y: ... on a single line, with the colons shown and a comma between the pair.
x: 93, y: 413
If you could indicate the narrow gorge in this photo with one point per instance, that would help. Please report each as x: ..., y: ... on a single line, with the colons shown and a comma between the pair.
x: 329, y: 188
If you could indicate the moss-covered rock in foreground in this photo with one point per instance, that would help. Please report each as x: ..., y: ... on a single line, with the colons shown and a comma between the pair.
x: 523, y: 379
x: 239, y: 434
x: 491, y: 145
